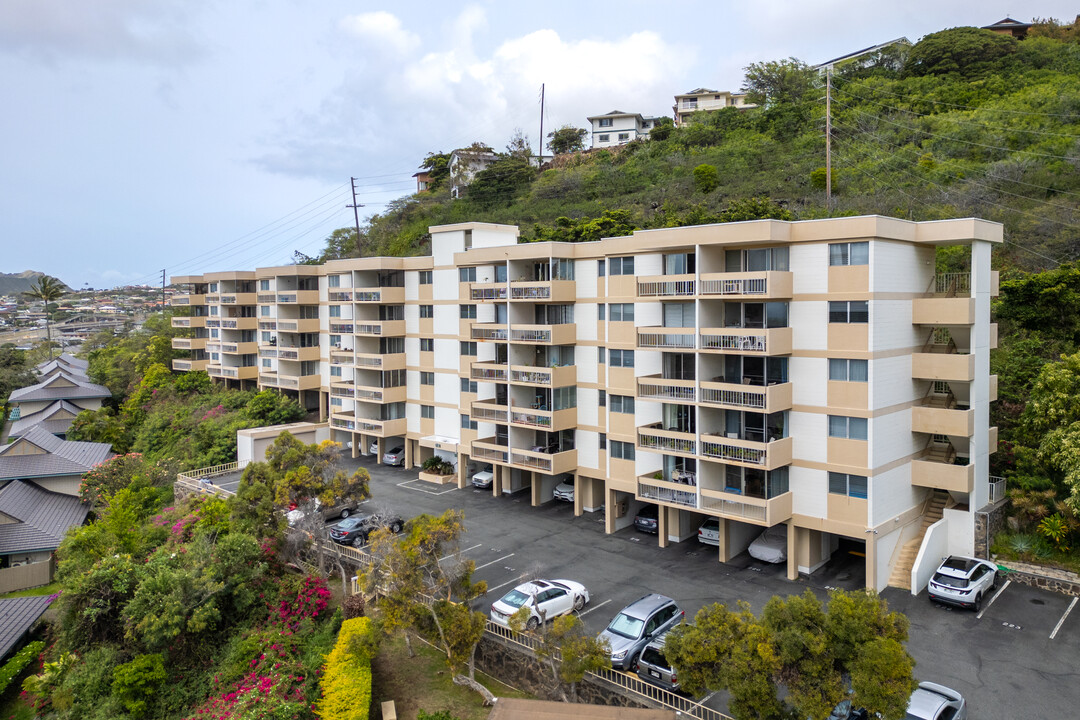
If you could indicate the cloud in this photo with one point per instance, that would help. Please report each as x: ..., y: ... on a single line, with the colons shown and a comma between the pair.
x: 454, y: 94
x: 381, y: 29
x: 155, y: 32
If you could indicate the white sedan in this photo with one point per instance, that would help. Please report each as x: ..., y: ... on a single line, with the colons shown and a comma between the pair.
x: 546, y: 599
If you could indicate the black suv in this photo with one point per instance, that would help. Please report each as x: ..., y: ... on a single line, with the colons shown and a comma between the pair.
x: 356, y: 529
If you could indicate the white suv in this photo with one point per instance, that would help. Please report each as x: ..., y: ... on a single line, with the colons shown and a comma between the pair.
x: 963, y: 581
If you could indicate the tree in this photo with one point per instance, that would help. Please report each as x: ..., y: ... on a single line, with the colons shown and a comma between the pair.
x: 706, y: 178
x: 754, y: 208
x: 851, y: 648
x: 47, y: 289
x: 15, y: 373
x: 519, y: 146
x: 567, y: 139
x: 565, y: 647
x: 779, y: 81
x: 502, y: 181
x: 438, y: 167
x: 966, y: 52
x: 662, y: 129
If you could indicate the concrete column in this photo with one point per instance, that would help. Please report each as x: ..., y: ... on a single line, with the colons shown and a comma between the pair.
x: 534, y: 488
x: 497, y: 479
x: 871, y: 562
x: 609, y: 510
x: 578, y: 491
x: 462, y: 471
x: 356, y: 440
x: 662, y: 525
x: 793, y: 551
x: 322, y: 406
x: 408, y: 453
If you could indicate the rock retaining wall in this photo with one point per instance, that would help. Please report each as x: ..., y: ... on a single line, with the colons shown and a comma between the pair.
x: 1061, y: 581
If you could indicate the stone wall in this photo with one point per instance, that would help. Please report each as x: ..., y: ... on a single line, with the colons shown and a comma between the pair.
x: 988, y: 522
x: 1061, y: 581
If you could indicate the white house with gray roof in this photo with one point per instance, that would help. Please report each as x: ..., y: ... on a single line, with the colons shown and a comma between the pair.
x: 618, y: 128
x: 58, y: 398
x: 54, y: 464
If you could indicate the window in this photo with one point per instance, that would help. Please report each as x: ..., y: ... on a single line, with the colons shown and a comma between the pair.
x: 333, y: 281
x: 264, y: 284
x: 621, y: 358
x: 468, y: 348
x: 336, y: 402
x: 622, y: 450
x: 851, y: 485
x: 622, y: 312
x: 848, y: 370
x: 266, y: 336
x: 468, y: 312
x: 601, y: 268
x: 603, y: 441
x: 309, y: 367
x: 467, y: 274
x: 335, y: 311
x: 856, y: 253
x: 335, y: 371
x: 601, y: 311
x: 467, y: 424
x: 622, y: 404
x: 335, y: 341
x: 427, y: 378
x: 468, y: 386
x: 852, y: 428
x: 427, y: 345
x: 427, y: 311
x: 266, y: 362
x: 624, y: 137
x: 600, y: 353
x: 565, y: 397
x: 680, y: 264
x: 264, y: 310
x: 602, y: 401
x: 605, y: 138
x: 849, y: 311
x: 425, y: 277
x: 606, y: 122
x: 427, y: 411
x: 622, y: 265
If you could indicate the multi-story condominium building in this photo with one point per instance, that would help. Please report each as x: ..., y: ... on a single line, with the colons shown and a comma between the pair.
x: 706, y: 100
x: 818, y: 376
x: 618, y: 128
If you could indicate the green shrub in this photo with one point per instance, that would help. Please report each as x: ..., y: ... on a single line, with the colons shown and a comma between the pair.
x: 136, y: 683
x: 706, y: 178
x: 346, y: 679
x: 18, y: 663
x: 1021, y: 544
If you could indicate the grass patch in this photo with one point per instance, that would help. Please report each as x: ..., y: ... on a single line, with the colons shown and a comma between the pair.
x: 1033, y: 549
x: 425, y: 683
x: 50, y: 589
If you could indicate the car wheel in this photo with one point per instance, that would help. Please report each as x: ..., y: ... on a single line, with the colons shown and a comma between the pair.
x: 359, y: 541
x: 978, y: 603
x: 532, y: 623
x: 345, y: 513
x: 579, y: 602
x: 396, y: 527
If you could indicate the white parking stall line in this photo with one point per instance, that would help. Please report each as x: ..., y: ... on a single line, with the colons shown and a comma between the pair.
x: 481, y: 567
x: 987, y: 605
x: 411, y: 485
x: 594, y: 607
x: 1062, y: 620
x: 459, y: 552
x: 514, y: 580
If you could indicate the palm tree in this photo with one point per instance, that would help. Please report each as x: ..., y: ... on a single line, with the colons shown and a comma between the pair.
x: 47, y: 289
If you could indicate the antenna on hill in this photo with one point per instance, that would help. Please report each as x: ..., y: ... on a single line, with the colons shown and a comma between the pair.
x: 540, y: 158
x: 356, y: 216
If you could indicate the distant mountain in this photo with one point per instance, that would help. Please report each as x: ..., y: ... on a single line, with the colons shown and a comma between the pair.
x: 15, y: 283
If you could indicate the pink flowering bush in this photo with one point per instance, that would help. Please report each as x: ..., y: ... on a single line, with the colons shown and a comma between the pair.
x: 310, y: 600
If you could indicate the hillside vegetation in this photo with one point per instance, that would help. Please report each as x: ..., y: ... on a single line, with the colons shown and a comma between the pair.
x: 968, y: 123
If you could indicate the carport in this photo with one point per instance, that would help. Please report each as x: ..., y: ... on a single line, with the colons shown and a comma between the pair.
x: 834, y: 559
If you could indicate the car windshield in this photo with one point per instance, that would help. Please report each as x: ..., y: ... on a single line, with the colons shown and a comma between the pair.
x: 948, y: 580
x: 515, y: 598
x: 628, y: 627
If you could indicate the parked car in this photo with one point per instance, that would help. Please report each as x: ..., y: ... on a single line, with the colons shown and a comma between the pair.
x: 708, y: 533
x: 339, y: 510
x: 962, y: 581
x: 931, y: 701
x: 394, y: 456
x: 356, y: 530
x: 648, y: 520
x: 653, y: 667
x: 549, y: 598
x: 565, y: 490
x: 637, y: 624
x: 373, y: 449
x: 483, y: 479
x: 771, y: 545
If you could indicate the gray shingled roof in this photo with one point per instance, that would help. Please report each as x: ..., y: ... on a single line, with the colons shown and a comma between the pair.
x: 43, y: 418
x: 17, y: 616
x: 43, y: 517
x: 65, y: 359
x: 47, y: 370
x: 46, y: 391
x: 62, y: 457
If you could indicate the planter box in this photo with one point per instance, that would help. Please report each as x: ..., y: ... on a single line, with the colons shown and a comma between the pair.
x: 438, y: 479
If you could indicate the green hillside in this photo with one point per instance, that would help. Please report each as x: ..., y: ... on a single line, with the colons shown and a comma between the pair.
x: 965, y: 123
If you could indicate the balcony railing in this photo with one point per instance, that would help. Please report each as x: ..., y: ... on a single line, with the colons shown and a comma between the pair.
x: 488, y: 372
x: 668, y: 492
x: 771, y: 341
x: 768, y: 512
x: 268, y: 324
x: 746, y: 397
x: 762, y: 284
x: 654, y: 387
x: 487, y: 291
x: 340, y: 295
x: 489, y: 332
x: 997, y: 489
x: 666, y: 338
x: 667, y: 286
x: 754, y: 453
x: 654, y: 437
x: 487, y: 449
x: 545, y: 462
x: 266, y: 298
x: 559, y: 334
x: 488, y: 411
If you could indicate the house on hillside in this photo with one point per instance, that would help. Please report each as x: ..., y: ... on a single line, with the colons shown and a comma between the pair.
x: 860, y: 56
x: 1008, y: 26
x: 465, y: 164
x: 706, y: 100
x: 64, y: 392
x: 618, y: 128
x: 423, y: 180
x: 53, y: 464
x: 33, y: 522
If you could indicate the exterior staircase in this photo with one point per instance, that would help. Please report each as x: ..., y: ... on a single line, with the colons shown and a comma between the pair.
x: 901, y: 572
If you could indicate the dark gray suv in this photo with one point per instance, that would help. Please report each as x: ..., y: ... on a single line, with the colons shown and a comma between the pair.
x: 653, y: 667
x: 638, y: 623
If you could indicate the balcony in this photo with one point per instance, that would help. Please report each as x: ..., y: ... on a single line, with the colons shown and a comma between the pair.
x: 488, y: 372
x: 368, y: 393
x: 742, y: 396
x: 943, y: 366
x: 543, y: 376
x: 747, y: 453
x: 338, y: 296
x: 758, y: 511
x: 488, y: 411
x: 239, y: 348
x: 747, y: 341
x: 544, y: 462
x: 266, y: 298
x: 304, y: 325
x: 213, y: 299
x: 489, y: 332
x: 656, y: 387
x: 189, y: 365
x: 189, y: 322
x: 487, y: 449
x: 247, y: 372
x: 368, y: 426
x: 661, y: 338
x: 342, y: 357
x: 764, y: 285
x: 943, y: 421
x: 245, y: 323
x: 538, y: 418
x: 187, y: 299
x: 375, y: 361
x: 268, y: 324
x: 481, y: 292
x: 247, y: 298
x: 666, y: 286
x: 380, y: 328
x: 943, y: 476
x: 295, y: 353
x: 670, y: 442
x: 188, y: 343
x: 213, y: 322
x: 388, y: 295
x: 290, y: 382
x: 562, y: 334
x: 543, y: 291
x: 943, y: 311
x: 298, y: 297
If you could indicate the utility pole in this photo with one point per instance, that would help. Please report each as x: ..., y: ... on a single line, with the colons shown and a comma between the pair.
x: 828, y: 137
x: 356, y: 217
x: 163, y: 291
x: 540, y: 161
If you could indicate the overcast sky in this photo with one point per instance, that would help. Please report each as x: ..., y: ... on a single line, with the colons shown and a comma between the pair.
x: 195, y: 136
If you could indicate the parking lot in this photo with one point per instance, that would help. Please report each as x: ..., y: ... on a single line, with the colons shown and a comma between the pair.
x: 1017, y: 658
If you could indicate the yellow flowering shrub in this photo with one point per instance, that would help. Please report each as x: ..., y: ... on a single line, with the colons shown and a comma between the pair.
x: 346, y: 677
